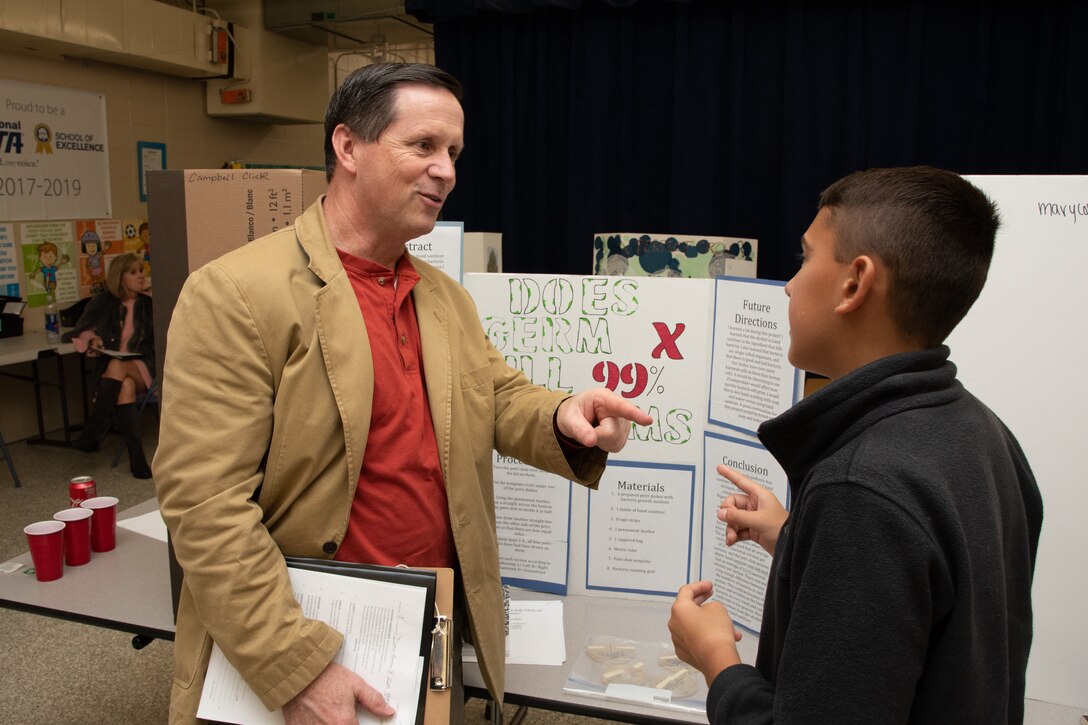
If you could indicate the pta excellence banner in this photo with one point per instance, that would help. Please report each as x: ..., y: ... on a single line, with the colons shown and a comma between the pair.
x: 54, y: 158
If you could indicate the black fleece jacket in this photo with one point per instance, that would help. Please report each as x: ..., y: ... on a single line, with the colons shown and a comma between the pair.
x: 900, y: 590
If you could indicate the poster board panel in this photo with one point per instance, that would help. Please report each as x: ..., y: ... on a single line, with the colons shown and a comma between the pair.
x: 1021, y: 350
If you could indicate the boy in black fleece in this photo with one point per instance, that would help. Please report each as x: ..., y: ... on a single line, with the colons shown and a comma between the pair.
x: 900, y: 589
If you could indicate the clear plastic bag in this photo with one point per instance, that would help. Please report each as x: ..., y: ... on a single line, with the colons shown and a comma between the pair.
x: 647, y: 673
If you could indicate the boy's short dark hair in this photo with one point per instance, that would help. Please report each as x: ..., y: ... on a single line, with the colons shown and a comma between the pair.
x: 933, y: 230
x: 365, y: 101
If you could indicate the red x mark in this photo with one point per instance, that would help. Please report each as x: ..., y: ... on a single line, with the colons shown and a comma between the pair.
x: 668, y: 340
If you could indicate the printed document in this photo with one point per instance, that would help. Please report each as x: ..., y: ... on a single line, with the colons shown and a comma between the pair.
x: 382, y: 625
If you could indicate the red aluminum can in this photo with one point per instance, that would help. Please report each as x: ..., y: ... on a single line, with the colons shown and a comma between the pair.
x: 80, y: 489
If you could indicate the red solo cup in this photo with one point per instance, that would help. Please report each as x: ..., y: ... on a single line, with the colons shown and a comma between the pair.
x: 46, y: 539
x: 77, y: 535
x: 103, y: 522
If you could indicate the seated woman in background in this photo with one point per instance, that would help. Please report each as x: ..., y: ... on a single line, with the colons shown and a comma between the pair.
x: 119, y: 321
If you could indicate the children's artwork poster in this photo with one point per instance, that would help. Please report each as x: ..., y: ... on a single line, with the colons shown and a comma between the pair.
x: 9, y: 262
x: 739, y: 572
x: 71, y: 259
x: 54, y: 155
x: 646, y: 340
x: 136, y: 236
x: 673, y: 255
x: 99, y: 242
x: 751, y: 379
x: 50, y: 262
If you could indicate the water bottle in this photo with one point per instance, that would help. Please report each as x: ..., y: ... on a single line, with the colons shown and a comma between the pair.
x: 52, y: 320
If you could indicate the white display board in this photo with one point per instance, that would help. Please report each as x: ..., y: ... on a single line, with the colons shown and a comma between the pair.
x: 1021, y: 350
x: 651, y: 525
x: 646, y: 339
x: 54, y: 156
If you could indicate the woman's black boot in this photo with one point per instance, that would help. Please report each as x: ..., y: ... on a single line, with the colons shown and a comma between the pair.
x: 97, y: 425
x: 128, y: 420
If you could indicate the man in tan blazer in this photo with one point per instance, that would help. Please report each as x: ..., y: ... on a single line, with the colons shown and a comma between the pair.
x: 268, y: 403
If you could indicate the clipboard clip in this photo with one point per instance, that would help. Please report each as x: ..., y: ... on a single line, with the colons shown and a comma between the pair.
x: 441, y: 652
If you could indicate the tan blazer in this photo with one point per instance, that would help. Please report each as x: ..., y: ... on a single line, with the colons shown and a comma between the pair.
x: 267, y: 391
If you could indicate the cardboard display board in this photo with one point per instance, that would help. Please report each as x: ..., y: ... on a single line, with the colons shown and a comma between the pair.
x: 201, y: 214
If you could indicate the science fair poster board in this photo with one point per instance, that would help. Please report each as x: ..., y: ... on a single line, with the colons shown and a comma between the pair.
x: 647, y: 339
x: 1021, y: 350
x: 54, y: 156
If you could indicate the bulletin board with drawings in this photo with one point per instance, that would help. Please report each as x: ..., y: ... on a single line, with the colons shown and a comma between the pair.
x: 69, y: 259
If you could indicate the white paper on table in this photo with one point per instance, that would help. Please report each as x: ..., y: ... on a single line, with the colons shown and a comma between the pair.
x: 119, y: 354
x: 149, y: 524
x: 536, y: 634
x: 382, y: 623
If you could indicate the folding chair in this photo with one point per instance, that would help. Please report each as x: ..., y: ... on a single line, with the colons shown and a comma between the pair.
x: 149, y: 396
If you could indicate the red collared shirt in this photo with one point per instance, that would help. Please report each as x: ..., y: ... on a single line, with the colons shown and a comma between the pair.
x: 400, y: 513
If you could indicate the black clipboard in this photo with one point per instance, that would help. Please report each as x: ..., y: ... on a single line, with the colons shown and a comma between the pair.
x: 425, y: 578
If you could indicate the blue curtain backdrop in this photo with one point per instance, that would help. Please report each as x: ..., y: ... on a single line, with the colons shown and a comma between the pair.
x: 728, y: 118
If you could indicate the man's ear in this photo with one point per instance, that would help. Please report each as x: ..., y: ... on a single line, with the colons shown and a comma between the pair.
x: 343, y: 145
x: 858, y: 285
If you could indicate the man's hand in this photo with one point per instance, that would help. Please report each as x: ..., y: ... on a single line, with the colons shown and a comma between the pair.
x: 331, y: 699
x: 702, y: 632
x: 599, y: 417
x: 756, y: 515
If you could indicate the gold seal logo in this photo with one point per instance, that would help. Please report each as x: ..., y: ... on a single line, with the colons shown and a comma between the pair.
x: 44, y: 136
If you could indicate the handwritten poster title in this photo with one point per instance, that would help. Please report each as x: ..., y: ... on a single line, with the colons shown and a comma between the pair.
x: 568, y: 333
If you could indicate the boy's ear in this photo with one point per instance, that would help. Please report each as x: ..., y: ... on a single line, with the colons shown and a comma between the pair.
x: 857, y: 286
